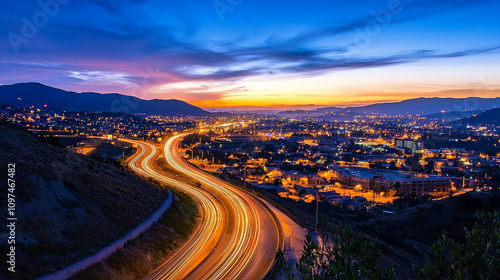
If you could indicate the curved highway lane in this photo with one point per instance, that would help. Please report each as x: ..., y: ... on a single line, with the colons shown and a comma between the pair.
x: 238, y: 236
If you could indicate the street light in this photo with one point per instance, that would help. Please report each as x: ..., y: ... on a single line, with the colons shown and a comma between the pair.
x: 192, y: 153
x: 317, y: 205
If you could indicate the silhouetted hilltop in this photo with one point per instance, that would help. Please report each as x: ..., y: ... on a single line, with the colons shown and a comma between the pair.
x: 421, y: 106
x: 490, y: 117
x: 425, y: 106
x: 27, y: 94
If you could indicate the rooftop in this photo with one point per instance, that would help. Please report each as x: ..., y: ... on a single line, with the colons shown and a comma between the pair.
x: 391, y: 175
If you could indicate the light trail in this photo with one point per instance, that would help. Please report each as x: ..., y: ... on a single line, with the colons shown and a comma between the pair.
x: 238, y: 236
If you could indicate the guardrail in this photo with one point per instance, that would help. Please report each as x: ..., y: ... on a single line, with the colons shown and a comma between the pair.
x: 112, y: 248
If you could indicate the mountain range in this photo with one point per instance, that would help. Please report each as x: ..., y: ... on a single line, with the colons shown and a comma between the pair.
x: 37, y: 94
x: 421, y: 106
x: 424, y: 106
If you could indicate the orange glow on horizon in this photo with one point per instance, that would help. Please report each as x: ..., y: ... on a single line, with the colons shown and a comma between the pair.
x: 347, y: 100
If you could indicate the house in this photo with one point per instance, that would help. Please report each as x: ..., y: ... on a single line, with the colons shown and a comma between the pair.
x: 406, y: 182
x: 296, y: 178
x: 359, y: 199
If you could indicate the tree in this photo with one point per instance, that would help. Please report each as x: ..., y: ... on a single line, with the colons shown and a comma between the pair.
x: 397, y: 186
x: 478, y: 258
x: 393, y: 166
x: 268, y: 148
x: 429, y: 167
x: 348, y: 157
x: 346, y: 254
x: 413, y: 161
x: 283, y: 268
x: 376, y: 165
x: 493, y: 176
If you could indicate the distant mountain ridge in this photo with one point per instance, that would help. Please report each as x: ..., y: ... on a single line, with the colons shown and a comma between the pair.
x: 489, y: 117
x: 37, y: 94
x: 432, y: 105
x: 424, y: 105
x: 421, y: 106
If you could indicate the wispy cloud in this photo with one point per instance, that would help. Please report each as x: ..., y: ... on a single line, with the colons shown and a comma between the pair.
x: 103, y: 77
x: 115, y: 6
x: 120, y: 52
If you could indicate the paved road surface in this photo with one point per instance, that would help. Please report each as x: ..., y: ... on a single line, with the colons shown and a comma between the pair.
x: 238, y: 236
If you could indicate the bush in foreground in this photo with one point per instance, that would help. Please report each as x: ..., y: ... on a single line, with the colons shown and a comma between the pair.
x: 477, y: 258
x: 348, y: 254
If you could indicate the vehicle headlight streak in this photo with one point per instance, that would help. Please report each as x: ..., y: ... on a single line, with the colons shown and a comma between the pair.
x: 244, y: 236
x: 206, y: 236
x: 240, y: 250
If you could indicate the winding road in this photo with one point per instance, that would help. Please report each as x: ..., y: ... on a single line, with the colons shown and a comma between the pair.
x: 238, y: 235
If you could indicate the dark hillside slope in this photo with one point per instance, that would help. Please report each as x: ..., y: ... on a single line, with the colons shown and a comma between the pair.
x: 68, y: 206
x: 490, y: 117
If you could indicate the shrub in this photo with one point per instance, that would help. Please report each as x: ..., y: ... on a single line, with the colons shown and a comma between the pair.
x: 477, y: 258
x: 346, y: 254
x: 471, y: 202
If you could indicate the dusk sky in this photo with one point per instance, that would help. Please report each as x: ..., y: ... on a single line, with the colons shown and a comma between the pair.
x: 229, y: 53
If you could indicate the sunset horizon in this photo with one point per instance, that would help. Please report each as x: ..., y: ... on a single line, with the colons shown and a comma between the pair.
x: 220, y: 105
x: 221, y: 55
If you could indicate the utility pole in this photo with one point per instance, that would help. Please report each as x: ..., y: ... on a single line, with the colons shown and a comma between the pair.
x: 317, y: 206
x: 245, y: 176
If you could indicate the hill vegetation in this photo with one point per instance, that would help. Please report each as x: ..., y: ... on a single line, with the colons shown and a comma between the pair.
x: 151, y: 249
x: 489, y: 117
x: 68, y: 206
x: 347, y: 254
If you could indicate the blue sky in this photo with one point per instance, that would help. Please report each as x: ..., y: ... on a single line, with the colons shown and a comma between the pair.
x: 256, y: 53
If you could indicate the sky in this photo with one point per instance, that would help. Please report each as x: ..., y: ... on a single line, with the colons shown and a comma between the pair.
x: 252, y: 54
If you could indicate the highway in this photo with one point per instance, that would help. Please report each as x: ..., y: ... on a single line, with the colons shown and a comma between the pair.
x: 238, y: 235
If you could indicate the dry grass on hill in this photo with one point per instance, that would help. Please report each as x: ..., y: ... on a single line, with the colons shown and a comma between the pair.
x: 68, y: 206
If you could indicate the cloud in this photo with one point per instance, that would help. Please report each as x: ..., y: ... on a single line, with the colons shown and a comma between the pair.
x: 101, y: 77
x: 124, y: 52
x: 115, y: 6
x: 197, y: 91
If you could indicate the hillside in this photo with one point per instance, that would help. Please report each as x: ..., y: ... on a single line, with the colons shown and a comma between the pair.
x: 68, y: 206
x: 490, y: 117
x: 411, y: 232
x: 27, y: 94
x: 453, y: 115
